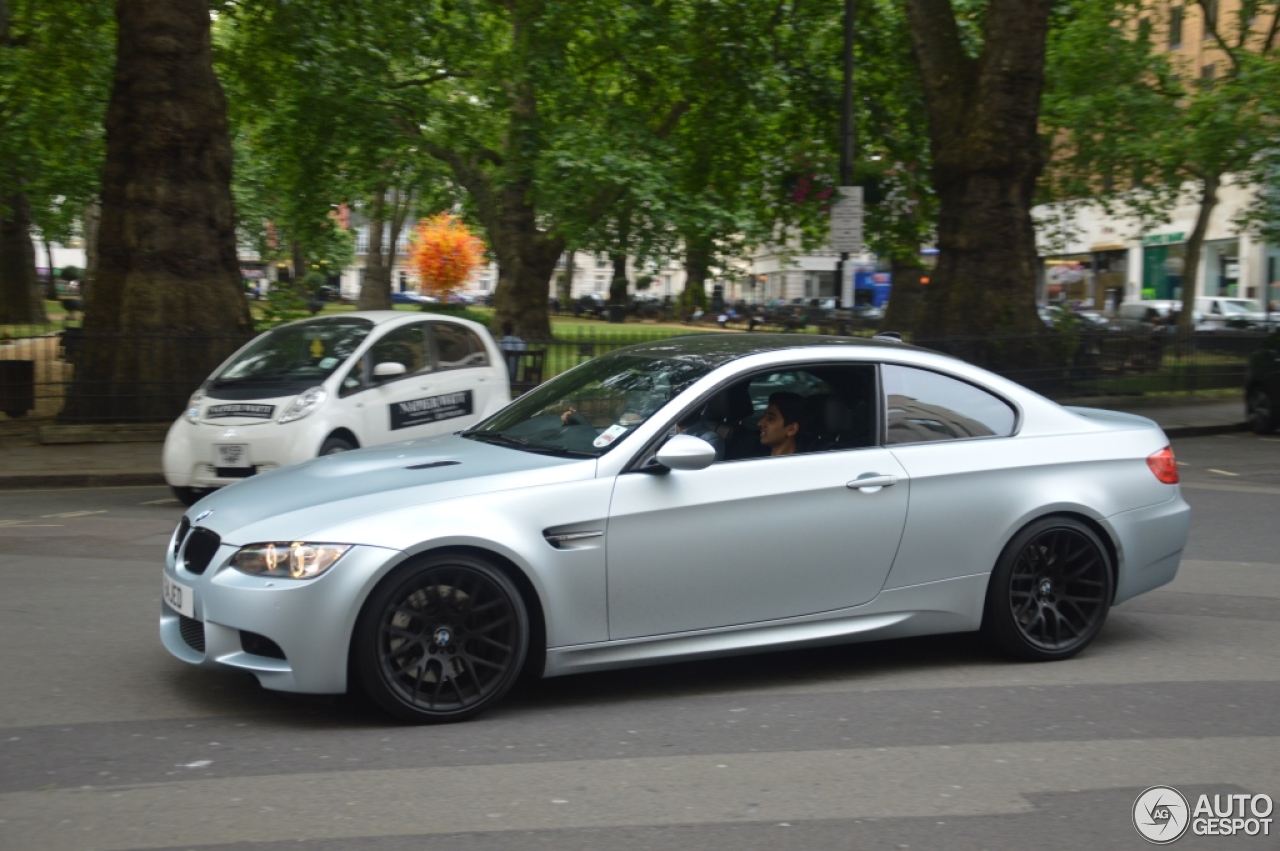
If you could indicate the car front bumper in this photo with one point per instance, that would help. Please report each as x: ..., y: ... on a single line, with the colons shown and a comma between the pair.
x: 309, y: 621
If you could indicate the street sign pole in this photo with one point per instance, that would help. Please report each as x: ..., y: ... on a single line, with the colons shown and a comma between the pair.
x: 847, y: 130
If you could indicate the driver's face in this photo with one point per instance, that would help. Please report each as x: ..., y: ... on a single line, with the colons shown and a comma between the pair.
x: 774, y: 432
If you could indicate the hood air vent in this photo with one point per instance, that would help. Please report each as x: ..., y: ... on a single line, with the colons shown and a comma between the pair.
x: 430, y: 464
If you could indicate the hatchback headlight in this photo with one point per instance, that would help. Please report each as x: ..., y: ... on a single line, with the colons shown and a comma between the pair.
x: 306, y: 402
x: 194, y: 407
x: 295, y: 560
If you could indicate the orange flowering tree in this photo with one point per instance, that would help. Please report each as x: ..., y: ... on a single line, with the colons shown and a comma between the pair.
x: 444, y: 252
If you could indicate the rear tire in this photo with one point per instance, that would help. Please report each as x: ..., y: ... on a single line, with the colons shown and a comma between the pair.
x: 441, y: 639
x: 1050, y: 592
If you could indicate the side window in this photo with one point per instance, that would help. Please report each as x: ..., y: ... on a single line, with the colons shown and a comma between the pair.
x: 407, y: 346
x: 458, y: 346
x: 832, y: 408
x: 354, y: 381
x: 923, y: 406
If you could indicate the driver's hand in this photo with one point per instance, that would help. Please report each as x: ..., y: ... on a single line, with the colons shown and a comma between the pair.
x: 564, y: 418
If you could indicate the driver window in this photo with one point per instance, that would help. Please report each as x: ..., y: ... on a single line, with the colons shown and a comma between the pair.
x: 831, y: 408
x: 406, y: 346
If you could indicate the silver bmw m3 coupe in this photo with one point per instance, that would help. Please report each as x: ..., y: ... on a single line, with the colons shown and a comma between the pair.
x: 694, y: 497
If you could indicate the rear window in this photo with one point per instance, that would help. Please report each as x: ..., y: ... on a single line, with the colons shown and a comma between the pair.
x: 926, y: 406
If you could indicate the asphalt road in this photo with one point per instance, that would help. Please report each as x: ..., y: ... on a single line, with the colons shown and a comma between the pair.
x: 108, y: 743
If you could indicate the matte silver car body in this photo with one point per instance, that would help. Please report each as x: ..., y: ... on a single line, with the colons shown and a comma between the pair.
x: 652, y: 568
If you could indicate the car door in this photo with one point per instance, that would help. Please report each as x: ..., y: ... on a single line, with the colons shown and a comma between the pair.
x: 412, y: 404
x: 752, y: 540
x: 465, y: 376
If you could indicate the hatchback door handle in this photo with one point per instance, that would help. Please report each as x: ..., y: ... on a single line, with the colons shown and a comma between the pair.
x: 872, y: 482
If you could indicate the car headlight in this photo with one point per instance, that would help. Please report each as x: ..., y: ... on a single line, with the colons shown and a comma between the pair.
x: 306, y: 402
x: 295, y: 560
x: 193, y: 406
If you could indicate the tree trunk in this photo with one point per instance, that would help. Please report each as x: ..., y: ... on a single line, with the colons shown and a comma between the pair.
x: 697, y: 267
x: 1195, y: 247
x: 400, y: 205
x: 166, y: 306
x: 903, y: 312
x: 566, y: 283
x: 92, y: 220
x: 375, y: 289
x: 983, y: 115
x: 526, y: 261
x: 20, y: 292
x: 618, y: 283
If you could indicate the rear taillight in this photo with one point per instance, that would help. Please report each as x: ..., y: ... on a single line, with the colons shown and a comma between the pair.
x: 1164, y: 465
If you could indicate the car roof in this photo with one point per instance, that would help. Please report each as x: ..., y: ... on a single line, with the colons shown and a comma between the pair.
x: 718, y: 349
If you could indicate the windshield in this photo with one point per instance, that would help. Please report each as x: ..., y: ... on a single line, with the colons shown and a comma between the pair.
x: 304, y: 353
x: 1241, y: 305
x: 590, y: 408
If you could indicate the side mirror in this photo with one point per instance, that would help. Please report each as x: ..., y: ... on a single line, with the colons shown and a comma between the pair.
x: 686, y: 452
x: 388, y: 370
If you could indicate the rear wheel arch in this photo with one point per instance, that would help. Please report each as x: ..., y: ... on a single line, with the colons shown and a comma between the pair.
x: 1066, y: 615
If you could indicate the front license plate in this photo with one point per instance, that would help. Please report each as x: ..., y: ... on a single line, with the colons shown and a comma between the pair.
x: 233, y: 455
x: 179, y: 597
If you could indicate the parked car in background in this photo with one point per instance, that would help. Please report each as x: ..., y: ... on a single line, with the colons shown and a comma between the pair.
x: 575, y: 530
x: 409, y: 297
x: 328, y: 385
x: 1243, y: 314
x: 1262, y: 386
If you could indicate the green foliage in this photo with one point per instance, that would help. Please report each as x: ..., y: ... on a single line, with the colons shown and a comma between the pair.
x: 284, y: 303
x: 55, y: 70
x: 459, y: 311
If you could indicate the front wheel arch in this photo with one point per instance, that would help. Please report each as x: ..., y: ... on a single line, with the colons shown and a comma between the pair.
x: 535, y: 660
x: 342, y: 434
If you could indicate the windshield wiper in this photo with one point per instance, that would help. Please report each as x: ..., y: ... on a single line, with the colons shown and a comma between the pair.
x: 499, y: 439
x: 494, y: 437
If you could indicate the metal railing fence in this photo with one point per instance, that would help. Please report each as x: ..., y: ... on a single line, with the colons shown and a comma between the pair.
x: 63, y: 376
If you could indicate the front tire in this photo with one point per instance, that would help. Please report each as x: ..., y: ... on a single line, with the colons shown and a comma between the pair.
x: 441, y: 639
x: 187, y: 496
x: 1050, y: 591
x: 335, y: 445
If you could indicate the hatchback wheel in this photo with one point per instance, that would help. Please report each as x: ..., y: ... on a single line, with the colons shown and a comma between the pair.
x: 442, y: 639
x: 187, y: 496
x: 1050, y: 591
x: 1262, y: 411
x: 334, y: 445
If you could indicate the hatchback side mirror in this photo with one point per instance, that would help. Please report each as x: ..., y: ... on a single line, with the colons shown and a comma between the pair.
x: 686, y: 452
x: 388, y: 370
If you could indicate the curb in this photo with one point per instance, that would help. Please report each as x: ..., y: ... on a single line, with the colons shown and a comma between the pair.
x: 1204, y: 430
x: 80, y: 480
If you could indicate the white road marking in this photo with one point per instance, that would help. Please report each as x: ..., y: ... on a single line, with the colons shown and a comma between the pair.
x: 784, y: 786
x: 1222, y: 472
x: 74, y: 513
x: 167, y: 500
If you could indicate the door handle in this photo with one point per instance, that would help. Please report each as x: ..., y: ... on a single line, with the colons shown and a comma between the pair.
x: 872, y: 482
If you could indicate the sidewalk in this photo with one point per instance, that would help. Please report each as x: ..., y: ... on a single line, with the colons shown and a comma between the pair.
x: 25, y: 463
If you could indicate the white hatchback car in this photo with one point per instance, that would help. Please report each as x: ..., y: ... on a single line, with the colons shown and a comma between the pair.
x: 327, y: 385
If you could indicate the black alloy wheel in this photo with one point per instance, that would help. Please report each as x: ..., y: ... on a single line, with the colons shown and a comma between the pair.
x: 442, y: 639
x: 1050, y: 591
x: 1262, y: 411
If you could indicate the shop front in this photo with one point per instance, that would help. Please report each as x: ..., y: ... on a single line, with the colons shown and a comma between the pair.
x: 1163, y: 260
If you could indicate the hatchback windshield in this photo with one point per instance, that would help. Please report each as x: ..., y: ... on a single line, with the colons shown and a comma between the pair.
x: 587, y: 410
x: 293, y: 357
x: 1241, y: 305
